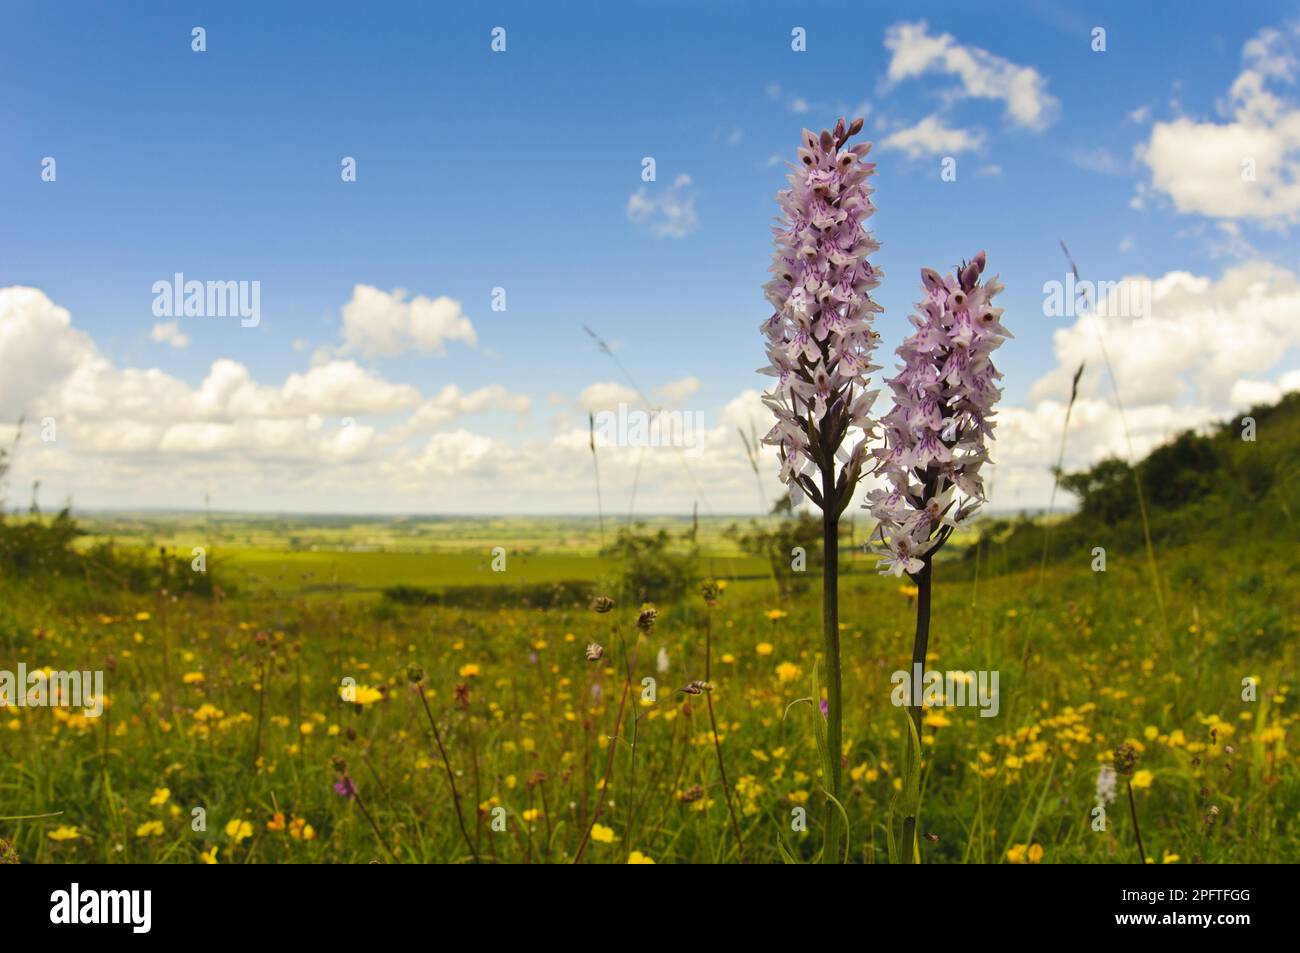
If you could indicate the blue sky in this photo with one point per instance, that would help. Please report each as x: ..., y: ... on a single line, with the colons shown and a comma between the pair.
x: 479, y: 169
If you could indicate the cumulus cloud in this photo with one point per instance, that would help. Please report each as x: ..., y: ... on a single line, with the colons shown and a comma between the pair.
x: 451, y: 403
x: 674, y: 392
x: 1208, y: 347
x: 383, y: 324
x: 607, y: 395
x: 38, y: 345
x: 980, y: 74
x: 169, y: 332
x: 930, y: 137
x: 1202, y: 336
x: 334, y: 436
x: 1249, y: 393
x: 1247, y: 166
x: 103, y: 412
x: 665, y: 212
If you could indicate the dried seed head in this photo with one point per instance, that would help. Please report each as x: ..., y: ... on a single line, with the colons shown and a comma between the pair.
x: 646, y: 620
x: 414, y: 674
x: 1125, y: 760
x: 595, y: 652
x: 709, y: 590
x: 698, y: 688
x: 691, y: 794
x: 603, y: 604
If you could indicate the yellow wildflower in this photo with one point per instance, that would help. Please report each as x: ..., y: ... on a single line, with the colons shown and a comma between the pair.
x: 239, y: 830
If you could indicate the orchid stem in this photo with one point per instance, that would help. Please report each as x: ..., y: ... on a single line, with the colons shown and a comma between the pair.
x: 831, y: 635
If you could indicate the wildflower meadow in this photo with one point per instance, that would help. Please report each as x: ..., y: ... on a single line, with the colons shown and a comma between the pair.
x: 551, y: 559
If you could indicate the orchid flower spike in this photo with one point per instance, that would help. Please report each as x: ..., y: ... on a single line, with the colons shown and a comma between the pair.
x: 936, y: 434
x: 820, y: 337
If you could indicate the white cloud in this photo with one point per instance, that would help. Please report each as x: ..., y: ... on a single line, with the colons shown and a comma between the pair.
x: 1249, y: 166
x: 342, y: 387
x: 50, y: 369
x: 382, y: 324
x: 38, y: 346
x: 982, y: 75
x: 169, y: 332
x: 667, y: 212
x: 729, y: 135
x: 607, y: 395
x: 1208, y: 348
x: 930, y: 137
x: 1028, y: 441
x: 451, y: 403
x: 1098, y: 159
x: 1201, y: 336
x: 674, y: 392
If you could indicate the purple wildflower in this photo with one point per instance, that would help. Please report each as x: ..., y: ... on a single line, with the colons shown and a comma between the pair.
x: 943, y: 412
x: 820, y: 339
x: 344, y: 787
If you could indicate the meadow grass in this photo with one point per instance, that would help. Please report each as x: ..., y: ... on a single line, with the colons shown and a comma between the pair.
x: 241, y: 717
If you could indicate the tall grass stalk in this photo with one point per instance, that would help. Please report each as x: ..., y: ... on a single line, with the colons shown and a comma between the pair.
x: 603, y: 791
x: 1137, y: 481
x: 595, y: 465
x: 710, y: 599
x: 418, y: 688
x: 1133, y: 813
